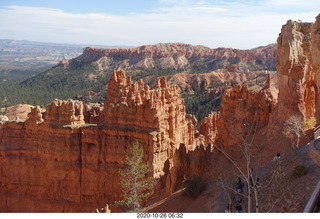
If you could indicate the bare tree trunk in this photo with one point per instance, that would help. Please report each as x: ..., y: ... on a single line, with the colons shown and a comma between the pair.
x: 298, y: 140
x: 249, y: 193
x: 249, y: 201
x: 135, y: 194
x: 256, y: 198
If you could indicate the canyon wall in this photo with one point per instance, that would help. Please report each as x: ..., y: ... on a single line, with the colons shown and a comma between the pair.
x: 298, y: 75
x: 298, y: 66
x: 176, y: 56
x: 56, y: 162
x: 315, y: 54
x: 244, y: 110
x: 208, y: 127
x: 297, y: 69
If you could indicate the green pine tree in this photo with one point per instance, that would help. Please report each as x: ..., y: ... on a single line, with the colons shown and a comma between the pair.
x: 137, y: 187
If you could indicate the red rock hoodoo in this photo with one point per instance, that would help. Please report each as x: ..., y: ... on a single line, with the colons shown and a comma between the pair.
x: 209, y: 127
x: 297, y: 66
x: 56, y: 162
x: 243, y: 106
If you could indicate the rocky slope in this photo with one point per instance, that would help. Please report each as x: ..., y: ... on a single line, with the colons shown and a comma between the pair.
x: 220, y: 78
x: 15, y: 112
x: 298, y: 68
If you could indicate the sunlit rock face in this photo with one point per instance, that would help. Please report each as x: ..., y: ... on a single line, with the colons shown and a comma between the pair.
x: 243, y: 106
x: 65, y: 158
x: 298, y: 69
x: 296, y: 75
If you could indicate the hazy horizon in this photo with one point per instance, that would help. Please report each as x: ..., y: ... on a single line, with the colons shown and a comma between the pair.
x: 125, y: 46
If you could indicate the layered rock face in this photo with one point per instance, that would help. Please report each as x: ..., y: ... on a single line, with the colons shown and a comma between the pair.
x: 296, y: 76
x: 209, y: 127
x: 214, y: 83
x: 298, y: 70
x: 56, y: 162
x: 154, y: 117
x: 64, y: 113
x: 93, y: 113
x: 40, y: 166
x: 244, y: 109
x: 175, y: 56
x: 315, y: 54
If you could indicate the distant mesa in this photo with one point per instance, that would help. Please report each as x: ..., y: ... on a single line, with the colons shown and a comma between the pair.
x: 180, y: 56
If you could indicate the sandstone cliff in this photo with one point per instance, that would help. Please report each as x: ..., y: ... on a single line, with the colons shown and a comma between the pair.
x: 244, y: 109
x: 296, y: 77
x: 177, y: 56
x: 56, y: 162
x: 315, y: 54
x: 156, y: 116
x: 297, y: 69
x: 209, y: 127
x: 220, y: 78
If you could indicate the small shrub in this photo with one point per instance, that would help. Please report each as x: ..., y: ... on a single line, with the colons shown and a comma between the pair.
x: 194, y: 187
x: 299, y: 171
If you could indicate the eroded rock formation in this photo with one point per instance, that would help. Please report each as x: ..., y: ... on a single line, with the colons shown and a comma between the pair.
x: 150, y: 116
x: 296, y: 77
x: 244, y: 108
x: 64, y: 113
x: 298, y: 73
x: 175, y: 56
x: 93, y: 113
x: 209, y: 127
x: 315, y: 54
x: 60, y: 163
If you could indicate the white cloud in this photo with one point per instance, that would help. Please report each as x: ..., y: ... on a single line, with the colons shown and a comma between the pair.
x: 238, y: 24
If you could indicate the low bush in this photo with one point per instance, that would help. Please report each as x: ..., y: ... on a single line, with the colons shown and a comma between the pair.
x: 299, y: 171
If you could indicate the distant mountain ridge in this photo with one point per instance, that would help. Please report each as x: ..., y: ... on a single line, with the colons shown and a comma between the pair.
x: 179, y: 56
x: 88, y: 73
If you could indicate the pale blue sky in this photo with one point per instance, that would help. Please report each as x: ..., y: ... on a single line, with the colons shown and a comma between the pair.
x: 236, y: 23
x: 119, y: 7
